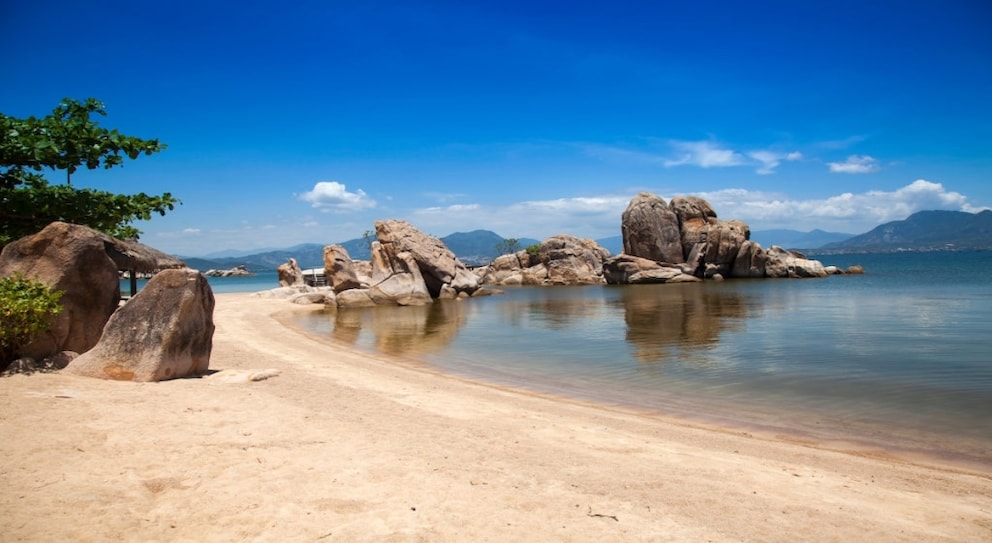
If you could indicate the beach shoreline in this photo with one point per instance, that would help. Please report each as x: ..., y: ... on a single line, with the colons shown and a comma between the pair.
x: 346, y: 445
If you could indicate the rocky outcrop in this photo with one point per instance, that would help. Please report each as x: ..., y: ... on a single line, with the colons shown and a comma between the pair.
x: 163, y: 332
x: 709, y: 247
x: 626, y: 269
x: 397, y: 279
x: 237, y: 271
x: 784, y: 263
x: 436, y: 263
x: 72, y: 259
x: 650, y: 230
x: 339, y: 269
x: 290, y: 274
x: 559, y: 260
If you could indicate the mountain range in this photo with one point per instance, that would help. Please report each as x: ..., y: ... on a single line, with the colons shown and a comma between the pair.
x: 922, y: 231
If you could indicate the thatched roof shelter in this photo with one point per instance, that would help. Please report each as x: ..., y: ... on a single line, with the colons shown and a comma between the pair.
x: 135, y: 257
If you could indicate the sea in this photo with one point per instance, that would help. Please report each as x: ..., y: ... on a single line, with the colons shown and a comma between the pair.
x: 895, y: 361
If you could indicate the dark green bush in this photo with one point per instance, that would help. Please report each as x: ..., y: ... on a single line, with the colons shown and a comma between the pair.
x: 27, y: 308
x: 533, y: 250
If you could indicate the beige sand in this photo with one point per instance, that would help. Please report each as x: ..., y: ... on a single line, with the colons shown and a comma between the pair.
x: 341, y: 446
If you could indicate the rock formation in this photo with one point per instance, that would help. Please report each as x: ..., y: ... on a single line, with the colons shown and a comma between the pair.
x: 339, y: 269
x: 436, y: 263
x: 559, y: 260
x: 709, y: 247
x: 290, y: 274
x: 237, y: 271
x: 74, y: 260
x: 650, y: 230
x: 163, y: 332
x: 397, y: 279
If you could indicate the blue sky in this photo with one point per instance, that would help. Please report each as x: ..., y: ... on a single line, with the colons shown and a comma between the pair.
x: 304, y: 121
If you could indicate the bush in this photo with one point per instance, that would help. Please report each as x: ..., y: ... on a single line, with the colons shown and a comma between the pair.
x: 533, y: 250
x: 27, y: 308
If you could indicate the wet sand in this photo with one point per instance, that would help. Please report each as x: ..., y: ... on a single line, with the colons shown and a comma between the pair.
x: 342, y: 445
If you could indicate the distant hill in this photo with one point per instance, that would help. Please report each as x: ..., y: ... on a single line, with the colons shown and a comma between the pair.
x: 472, y: 248
x: 794, y: 239
x: 923, y: 231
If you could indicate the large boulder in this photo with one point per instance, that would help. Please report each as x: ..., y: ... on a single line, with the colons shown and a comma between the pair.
x: 396, y: 280
x: 707, y: 241
x: 163, y: 332
x: 339, y: 269
x: 628, y: 269
x: 72, y: 259
x: 750, y: 261
x: 436, y: 262
x: 290, y: 274
x: 505, y: 269
x: 572, y: 261
x: 650, y: 230
x: 784, y: 263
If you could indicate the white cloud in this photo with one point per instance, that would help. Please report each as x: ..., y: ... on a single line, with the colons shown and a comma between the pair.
x: 770, y: 160
x: 704, y: 154
x: 333, y: 196
x: 855, y: 164
x: 191, y: 231
x: 846, y: 212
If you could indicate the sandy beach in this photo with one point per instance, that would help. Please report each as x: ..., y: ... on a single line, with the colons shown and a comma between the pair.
x: 346, y: 446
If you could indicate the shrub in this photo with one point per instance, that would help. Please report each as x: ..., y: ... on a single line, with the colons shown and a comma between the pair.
x: 27, y: 308
x: 533, y: 250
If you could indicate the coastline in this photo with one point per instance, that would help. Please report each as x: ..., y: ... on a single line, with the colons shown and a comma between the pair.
x: 344, y: 445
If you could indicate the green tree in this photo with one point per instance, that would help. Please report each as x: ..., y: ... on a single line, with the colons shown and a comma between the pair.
x: 508, y: 246
x: 27, y: 308
x: 69, y: 139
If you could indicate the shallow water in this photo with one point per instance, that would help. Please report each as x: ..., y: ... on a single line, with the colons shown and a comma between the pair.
x: 896, y: 359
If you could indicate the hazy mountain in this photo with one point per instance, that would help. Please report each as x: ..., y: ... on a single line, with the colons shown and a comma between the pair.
x: 924, y: 231
x: 794, y: 239
x: 472, y: 248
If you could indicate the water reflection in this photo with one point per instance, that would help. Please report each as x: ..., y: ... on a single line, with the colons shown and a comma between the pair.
x: 400, y: 330
x: 664, y: 320
x: 658, y: 323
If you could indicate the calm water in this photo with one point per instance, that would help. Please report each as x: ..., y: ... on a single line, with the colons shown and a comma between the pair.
x: 260, y: 281
x: 898, y: 358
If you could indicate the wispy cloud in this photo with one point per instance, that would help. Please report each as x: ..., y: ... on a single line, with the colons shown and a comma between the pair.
x: 704, y: 154
x: 855, y: 164
x: 770, y: 160
x: 334, y: 196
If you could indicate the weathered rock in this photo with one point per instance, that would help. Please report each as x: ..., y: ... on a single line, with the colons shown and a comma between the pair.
x: 28, y: 365
x: 856, y: 269
x: 290, y: 274
x: 307, y: 298
x: 163, y: 332
x: 436, y: 262
x: 72, y: 259
x: 750, y: 261
x: 397, y: 280
x: 237, y: 271
x: 505, y: 269
x: 651, y: 230
x: 339, y: 269
x: 784, y: 263
x: 628, y: 269
x: 572, y: 261
x: 355, y: 297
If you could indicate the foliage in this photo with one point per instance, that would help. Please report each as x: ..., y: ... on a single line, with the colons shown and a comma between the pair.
x: 533, y: 250
x: 67, y: 140
x: 508, y: 246
x: 27, y: 308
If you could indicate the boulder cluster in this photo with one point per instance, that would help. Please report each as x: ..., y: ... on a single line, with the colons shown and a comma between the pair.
x: 679, y: 241
x: 407, y: 267
x: 164, y: 332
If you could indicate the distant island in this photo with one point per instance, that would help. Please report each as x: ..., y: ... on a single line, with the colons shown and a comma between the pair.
x: 923, y: 231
